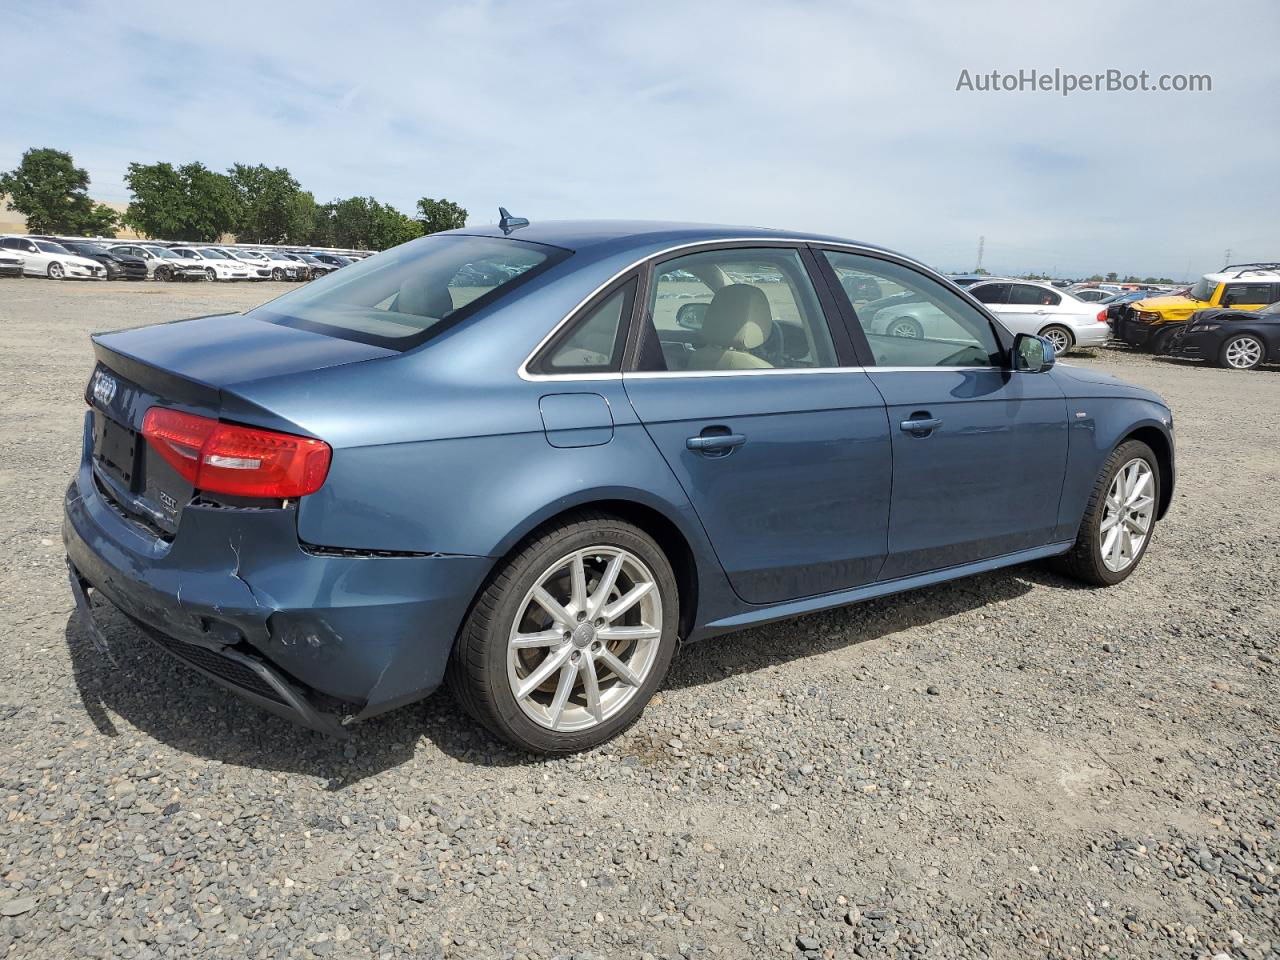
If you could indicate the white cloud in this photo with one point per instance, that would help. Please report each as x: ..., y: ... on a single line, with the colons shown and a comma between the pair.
x: 838, y: 117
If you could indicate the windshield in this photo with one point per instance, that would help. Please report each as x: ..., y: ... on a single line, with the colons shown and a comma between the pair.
x: 403, y: 296
x: 1202, y: 290
x: 50, y: 247
x: 212, y: 254
x: 89, y: 249
x: 163, y: 252
x: 1274, y: 308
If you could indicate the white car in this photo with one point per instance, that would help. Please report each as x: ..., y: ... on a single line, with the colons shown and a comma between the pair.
x: 1091, y: 294
x: 162, y: 263
x: 258, y: 269
x: 44, y: 258
x: 1025, y: 306
x: 217, y: 265
x: 281, y: 266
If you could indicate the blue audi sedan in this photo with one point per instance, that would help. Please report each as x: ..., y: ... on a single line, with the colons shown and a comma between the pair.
x: 528, y: 461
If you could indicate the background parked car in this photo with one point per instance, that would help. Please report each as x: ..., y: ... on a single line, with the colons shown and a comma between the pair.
x: 119, y: 266
x: 1091, y: 294
x: 1058, y: 316
x: 310, y: 266
x: 216, y: 265
x: 281, y: 266
x: 1237, y: 339
x: 1152, y: 322
x: 45, y: 258
x: 332, y: 259
x: 161, y: 262
x: 1118, y: 302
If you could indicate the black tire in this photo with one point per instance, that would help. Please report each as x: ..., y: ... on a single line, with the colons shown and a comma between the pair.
x: 904, y: 327
x: 477, y: 670
x: 277, y: 273
x: 1055, y: 332
x: 211, y: 273
x: 1161, y: 341
x: 163, y: 274
x: 1259, y: 347
x: 56, y: 271
x: 1083, y: 561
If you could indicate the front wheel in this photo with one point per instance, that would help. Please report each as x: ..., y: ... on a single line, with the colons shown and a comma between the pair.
x: 57, y: 271
x: 277, y: 273
x: 1059, y: 338
x: 570, y: 638
x: 905, y: 327
x: 1119, y: 519
x: 1242, y: 353
x: 163, y: 273
x: 211, y: 273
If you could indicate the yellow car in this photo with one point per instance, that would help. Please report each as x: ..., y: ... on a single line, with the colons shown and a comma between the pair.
x: 1152, y: 322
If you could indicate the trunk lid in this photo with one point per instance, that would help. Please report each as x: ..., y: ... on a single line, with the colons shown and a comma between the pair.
x: 190, y: 365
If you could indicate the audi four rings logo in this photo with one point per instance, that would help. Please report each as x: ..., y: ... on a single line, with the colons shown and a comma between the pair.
x: 104, y: 388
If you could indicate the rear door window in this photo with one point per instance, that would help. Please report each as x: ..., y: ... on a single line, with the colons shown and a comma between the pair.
x: 991, y: 293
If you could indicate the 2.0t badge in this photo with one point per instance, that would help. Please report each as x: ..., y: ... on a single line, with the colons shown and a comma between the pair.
x: 104, y: 388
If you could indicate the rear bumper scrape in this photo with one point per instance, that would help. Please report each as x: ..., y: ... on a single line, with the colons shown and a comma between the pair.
x: 334, y: 637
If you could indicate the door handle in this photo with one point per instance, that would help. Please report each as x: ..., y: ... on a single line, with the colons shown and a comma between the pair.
x: 922, y: 426
x: 1041, y: 313
x: 716, y: 442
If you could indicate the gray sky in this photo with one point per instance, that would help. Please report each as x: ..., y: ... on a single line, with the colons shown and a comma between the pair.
x: 837, y: 117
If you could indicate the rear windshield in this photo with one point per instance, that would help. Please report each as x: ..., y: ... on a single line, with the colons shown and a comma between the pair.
x: 405, y: 295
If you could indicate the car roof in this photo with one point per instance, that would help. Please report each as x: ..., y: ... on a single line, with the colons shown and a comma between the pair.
x: 1258, y: 274
x: 620, y: 235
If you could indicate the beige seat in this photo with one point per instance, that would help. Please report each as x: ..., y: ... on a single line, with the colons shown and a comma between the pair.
x: 737, y: 320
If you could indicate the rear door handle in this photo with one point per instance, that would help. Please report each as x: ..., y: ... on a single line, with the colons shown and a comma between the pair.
x: 922, y: 426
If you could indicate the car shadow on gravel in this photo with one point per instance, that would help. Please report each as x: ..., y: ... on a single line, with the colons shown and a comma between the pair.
x: 155, y: 694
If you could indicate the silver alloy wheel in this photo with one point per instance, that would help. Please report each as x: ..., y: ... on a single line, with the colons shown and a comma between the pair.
x: 585, y: 638
x: 56, y: 271
x: 905, y: 327
x: 1059, y: 339
x: 1243, y: 353
x: 1127, y: 515
x: 211, y: 273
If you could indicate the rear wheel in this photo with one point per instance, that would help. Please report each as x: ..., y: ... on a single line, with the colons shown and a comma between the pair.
x: 56, y: 271
x: 1119, y: 519
x: 570, y: 638
x: 1059, y: 337
x: 1243, y: 352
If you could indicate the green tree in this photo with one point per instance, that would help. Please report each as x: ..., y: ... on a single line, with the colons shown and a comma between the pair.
x: 52, y: 193
x: 437, y: 215
x: 267, y: 201
x: 362, y: 223
x: 190, y: 202
x: 1111, y: 276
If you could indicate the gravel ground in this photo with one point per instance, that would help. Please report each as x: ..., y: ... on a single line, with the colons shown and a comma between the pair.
x: 1007, y: 766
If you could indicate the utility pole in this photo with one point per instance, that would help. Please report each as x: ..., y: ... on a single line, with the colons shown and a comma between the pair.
x: 1228, y: 259
x: 982, y: 241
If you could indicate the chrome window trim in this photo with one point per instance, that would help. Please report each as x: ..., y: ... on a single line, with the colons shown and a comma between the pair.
x: 765, y: 371
x: 792, y: 242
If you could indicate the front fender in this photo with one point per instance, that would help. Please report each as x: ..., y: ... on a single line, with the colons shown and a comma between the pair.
x: 1096, y: 426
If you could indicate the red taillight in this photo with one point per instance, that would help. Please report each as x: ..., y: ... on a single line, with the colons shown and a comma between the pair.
x: 1102, y: 315
x: 241, y: 461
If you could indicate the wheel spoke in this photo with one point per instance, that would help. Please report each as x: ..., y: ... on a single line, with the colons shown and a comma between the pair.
x: 628, y: 633
x: 568, y: 673
x: 578, y: 581
x: 544, y: 638
x: 1109, y: 521
x: 550, y: 604
x: 592, y: 684
x: 1144, y: 478
x: 626, y: 601
x: 604, y: 587
x: 545, y: 669
x: 620, y: 669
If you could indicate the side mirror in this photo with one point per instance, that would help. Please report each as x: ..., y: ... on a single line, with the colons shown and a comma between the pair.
x: 690, y: 316
x: 1032, y: 354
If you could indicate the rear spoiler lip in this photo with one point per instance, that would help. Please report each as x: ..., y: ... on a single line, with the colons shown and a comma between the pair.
x: 161, y: 382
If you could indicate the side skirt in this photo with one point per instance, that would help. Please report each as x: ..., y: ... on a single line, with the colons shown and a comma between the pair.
x: 826, y: 601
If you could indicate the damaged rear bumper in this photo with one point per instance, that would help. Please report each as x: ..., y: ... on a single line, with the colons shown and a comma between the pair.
x: 322, y: 639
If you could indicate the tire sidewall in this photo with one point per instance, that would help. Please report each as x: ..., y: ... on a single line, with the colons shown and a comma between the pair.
x: 525, y: 570
x: 1123, y: 454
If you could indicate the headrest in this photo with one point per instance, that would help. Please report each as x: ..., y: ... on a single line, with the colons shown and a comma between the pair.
x: 424, y: 296
x: 738, y: 317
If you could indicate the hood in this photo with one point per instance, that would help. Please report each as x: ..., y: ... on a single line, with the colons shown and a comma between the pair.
x: 82, y: 261
x: 227, y: 349
x: 1087, y: 382
x: 1162, y: 303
